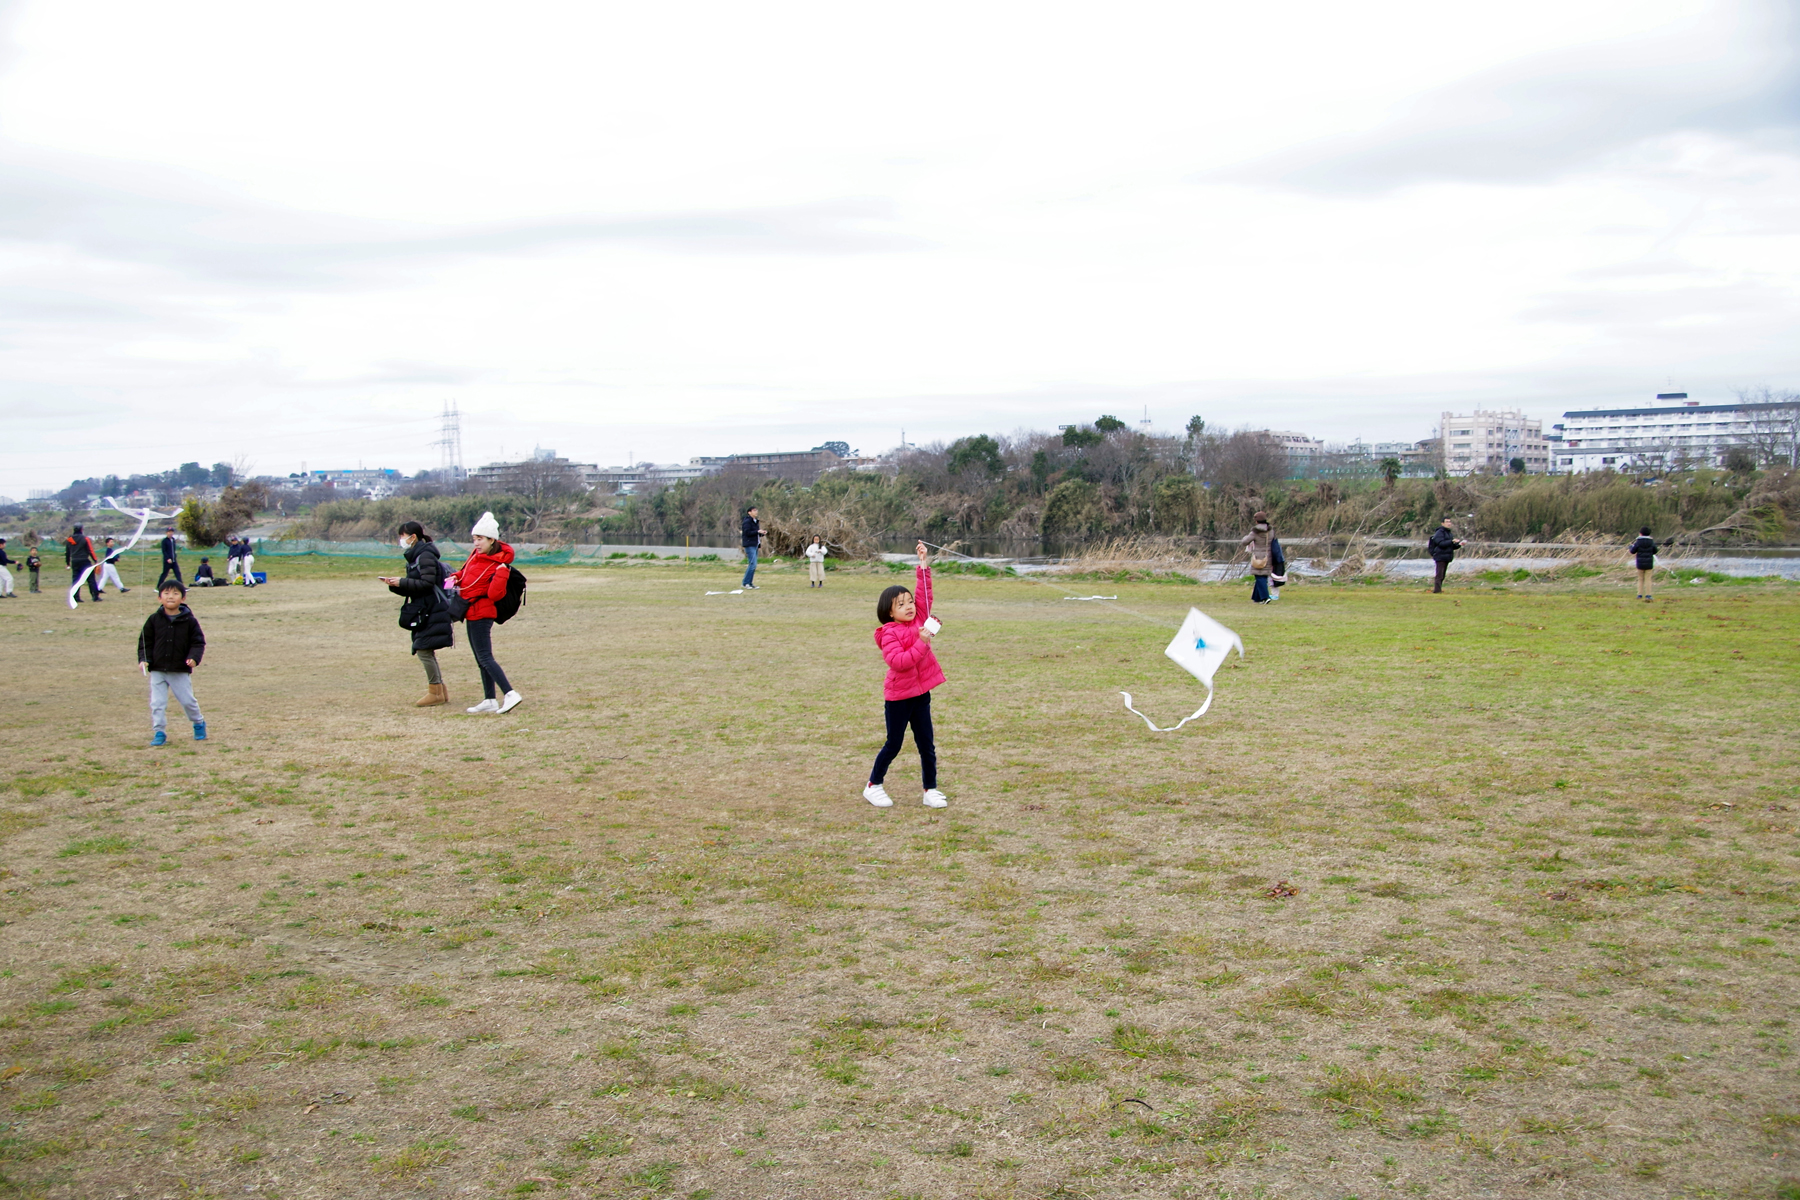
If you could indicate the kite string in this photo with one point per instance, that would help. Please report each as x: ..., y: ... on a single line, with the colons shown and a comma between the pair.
x: 1049, y: 582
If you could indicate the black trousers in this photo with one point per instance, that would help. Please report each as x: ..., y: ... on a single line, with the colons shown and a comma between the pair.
x: 93, y: 581
x: 171, y: 567
x: 914, y: 711
x: 1437, y: 582
x: 481, y: 641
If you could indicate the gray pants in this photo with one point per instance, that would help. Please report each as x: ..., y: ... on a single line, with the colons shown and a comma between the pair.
x: 180, y: 683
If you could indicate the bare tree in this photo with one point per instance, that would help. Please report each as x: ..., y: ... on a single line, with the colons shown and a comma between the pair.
x: 1774, y: 436
x: 545, y: 485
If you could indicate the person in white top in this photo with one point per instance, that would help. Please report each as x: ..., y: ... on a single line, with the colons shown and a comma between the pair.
x: 815, y: 565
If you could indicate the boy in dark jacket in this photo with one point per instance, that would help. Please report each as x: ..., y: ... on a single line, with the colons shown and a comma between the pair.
x: 169, y: 648
x: 1645, y: 550
x: 203, y: 576
x: 1443, y: 546
x: 33, y: 564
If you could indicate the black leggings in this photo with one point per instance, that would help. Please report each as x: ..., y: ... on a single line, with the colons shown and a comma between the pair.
x: 481, y: 641
x: 915, y: 710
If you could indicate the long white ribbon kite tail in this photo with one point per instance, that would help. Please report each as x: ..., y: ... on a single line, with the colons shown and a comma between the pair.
x: 144, y: 516
x: 1199, y: 649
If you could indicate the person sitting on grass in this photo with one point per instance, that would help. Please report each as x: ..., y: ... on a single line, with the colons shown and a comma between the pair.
x: 904, y: 637
x: 203, y: 576
x: 170, y: 646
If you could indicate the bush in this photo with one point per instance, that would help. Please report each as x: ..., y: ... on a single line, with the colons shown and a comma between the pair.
x: 1073, y: 510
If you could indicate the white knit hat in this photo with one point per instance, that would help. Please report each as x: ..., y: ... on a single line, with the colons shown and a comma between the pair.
x: 486, y: 527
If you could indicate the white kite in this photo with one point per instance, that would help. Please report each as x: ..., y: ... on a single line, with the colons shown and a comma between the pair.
x: 144, y: 516
x: 1199, y: 649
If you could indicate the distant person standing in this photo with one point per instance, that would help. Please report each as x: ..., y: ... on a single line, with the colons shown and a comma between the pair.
x: 78, y: 552
x: 171, y: 560
x: 1257, y: 543
x: 815, y: 562
x: 751, y: 535
x: 247, y: 560
x: 234, y: 559
x: 109, y: 568
x: 1443, y: 545
x: 1645, y: 549
x: 6, y: 580
x: 33, y: 564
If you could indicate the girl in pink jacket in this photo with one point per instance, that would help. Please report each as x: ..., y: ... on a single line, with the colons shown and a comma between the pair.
x: 904, y: 637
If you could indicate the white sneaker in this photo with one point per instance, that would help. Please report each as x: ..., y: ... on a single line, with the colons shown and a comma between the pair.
x: 486, y: 706
x: 512, y: 701
x: 877, y: 795
x: 936, y: 799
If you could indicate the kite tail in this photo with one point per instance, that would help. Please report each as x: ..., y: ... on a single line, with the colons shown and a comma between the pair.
x: 1200, y: 712
x: 79, y: 580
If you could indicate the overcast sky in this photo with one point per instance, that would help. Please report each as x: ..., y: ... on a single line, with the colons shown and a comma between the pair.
x: 290, y: 233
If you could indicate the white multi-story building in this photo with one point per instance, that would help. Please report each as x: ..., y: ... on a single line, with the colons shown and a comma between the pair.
x: 1303, y: 453
x: 1675, y: 432
x: 628, y: 479
x: 1489, y: 440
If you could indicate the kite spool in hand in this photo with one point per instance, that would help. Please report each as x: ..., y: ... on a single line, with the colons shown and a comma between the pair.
x: 1199, y: 648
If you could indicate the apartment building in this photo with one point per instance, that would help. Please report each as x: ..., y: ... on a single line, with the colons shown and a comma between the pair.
x: 1672, y: 433
x: 1303, y: 453
x: 1488, y: 441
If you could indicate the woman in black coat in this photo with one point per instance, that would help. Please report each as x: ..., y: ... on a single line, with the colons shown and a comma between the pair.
x: 425, y: 612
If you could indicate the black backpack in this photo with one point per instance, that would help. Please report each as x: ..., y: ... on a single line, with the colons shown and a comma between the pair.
x: 507, y: 607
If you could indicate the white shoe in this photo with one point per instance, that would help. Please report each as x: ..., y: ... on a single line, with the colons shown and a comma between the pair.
x: 936, y: 799
x: 877, y: 795
x: 512, y: 701
x: 486, y: 706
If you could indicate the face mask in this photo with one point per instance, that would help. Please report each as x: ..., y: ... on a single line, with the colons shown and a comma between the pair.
x: 405, y: 542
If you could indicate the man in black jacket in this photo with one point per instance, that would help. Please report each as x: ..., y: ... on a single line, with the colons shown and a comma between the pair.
x: 170, y: 646
x: 751, y: 531
x: 1443, y: 546
x: 171, y: 560
x: 78, y: 552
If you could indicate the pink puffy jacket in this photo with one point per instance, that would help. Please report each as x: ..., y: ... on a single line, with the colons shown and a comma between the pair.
x: 912, y: 668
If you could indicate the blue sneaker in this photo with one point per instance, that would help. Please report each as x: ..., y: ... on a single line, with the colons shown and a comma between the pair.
x: 200, y: 731
x: 159, y: 738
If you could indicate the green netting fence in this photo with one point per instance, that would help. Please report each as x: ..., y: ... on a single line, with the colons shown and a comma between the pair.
x: 526, y: 553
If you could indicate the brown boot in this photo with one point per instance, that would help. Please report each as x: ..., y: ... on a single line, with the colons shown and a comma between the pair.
x: 435, y: 694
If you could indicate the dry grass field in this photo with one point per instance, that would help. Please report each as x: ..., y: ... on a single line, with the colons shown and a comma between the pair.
x: 1484, y: 894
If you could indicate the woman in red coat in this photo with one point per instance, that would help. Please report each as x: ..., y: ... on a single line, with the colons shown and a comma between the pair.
x: 904, y: 637
x: 482, y: 581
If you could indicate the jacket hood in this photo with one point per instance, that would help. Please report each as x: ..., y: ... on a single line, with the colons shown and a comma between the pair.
x: 181, y: 614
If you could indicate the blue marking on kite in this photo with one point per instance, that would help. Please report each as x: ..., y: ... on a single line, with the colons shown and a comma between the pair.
x: 1199, y: 643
